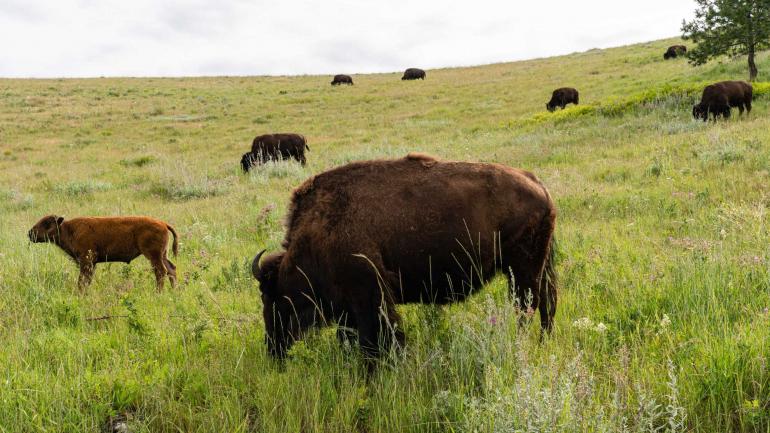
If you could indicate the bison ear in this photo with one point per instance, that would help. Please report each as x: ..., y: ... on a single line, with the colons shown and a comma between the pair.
x: 59, y: 220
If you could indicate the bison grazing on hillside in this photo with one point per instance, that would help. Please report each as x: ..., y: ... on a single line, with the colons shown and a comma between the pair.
x: 561, y: 97
x: 92, y: 240
x: 718, y: 98
x: 274, y: 147
x: 342, y: 79
x: 366, y: 236
x: 413, y: 74
x: 674, y: 51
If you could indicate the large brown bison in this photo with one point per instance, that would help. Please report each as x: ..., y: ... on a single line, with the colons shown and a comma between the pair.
x: 366, y: 236
x: 561, y: 97
x: 342, y: 79
x: 719, y: 97
x: 413, y: 74
x: 92, y: 240
x: 674, y: 51
x: 274, y: 147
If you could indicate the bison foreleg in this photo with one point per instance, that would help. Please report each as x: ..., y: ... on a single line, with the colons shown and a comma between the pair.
x: 87, y: 265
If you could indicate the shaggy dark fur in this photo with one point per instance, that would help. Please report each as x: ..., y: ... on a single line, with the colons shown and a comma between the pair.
x: 674, y: 51
x: 717, y: 99
x: 561, y: 97
x: 342, y: 79
x: 413, y: 74
x: 274, y: 147
x: 366, y: 236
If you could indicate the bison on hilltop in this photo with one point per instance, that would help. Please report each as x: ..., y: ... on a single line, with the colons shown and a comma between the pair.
x: 342, y: 79
x: 275, y: 147
x: 674, y: 51
x: 561, y: 97
x: 413, y: 74
x: 718, y: 98
x: 369, y: 235
x: 92, y: 240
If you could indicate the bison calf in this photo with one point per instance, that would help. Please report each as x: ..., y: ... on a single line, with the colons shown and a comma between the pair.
x: 274, y: 147
x: 342, y: 79
x: 413, y: 74
x: 561, y: 97
x: 366, y: 236
x: 718, y: 98
x: 92, y: 240
x: 674, y: 51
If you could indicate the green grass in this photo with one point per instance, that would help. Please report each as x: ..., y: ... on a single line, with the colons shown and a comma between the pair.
x: 664, y: 253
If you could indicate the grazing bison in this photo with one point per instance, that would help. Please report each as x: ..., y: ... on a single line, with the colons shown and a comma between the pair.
x: 413, y: 74
x: 674, y: 51
x: 342, y: 79
x: 719, y: 97
x: 366, y: 236
x: 274, y: 147
x: 561, y: 97
x: 92, y: 240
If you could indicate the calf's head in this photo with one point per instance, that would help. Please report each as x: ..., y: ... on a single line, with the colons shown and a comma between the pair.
x: 288, y: 311
x: 47, y: 229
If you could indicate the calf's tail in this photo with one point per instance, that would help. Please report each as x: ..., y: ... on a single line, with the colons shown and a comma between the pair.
x: 175, y: 245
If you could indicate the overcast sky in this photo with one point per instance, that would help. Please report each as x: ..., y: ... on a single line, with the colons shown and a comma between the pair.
x: 86, y: 38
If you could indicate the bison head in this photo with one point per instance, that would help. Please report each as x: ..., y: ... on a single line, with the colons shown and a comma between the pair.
x: 700, y: 112
x: 47, y: 229
x: 288, y: 311
x: 247, y: 160
x: 550, y: 107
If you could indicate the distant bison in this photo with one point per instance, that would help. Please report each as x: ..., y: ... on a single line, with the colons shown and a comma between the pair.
x: 718, y: 98
x: 413, y: 74
x: 674, y: 51
x: 561, y: 97
x: 342, y: 79
x: 92, y: 240
x: 369, y: 235
x: 274, y: 147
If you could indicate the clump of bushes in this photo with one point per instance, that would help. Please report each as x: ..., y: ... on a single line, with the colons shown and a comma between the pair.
x: 81, y: 188
x: 182, y: 184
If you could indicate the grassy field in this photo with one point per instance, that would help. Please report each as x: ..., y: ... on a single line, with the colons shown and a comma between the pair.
x: 664, y: 254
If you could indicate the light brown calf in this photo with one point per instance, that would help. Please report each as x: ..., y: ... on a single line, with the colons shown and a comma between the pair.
x: 92, y: 240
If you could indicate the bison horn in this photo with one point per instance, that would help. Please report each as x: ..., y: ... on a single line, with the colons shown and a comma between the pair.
x: 255, y: 264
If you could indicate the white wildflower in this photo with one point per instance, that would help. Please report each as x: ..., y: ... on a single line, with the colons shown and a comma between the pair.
x: 665, y: 322
x: 583, y: 323
x: 601, y: 328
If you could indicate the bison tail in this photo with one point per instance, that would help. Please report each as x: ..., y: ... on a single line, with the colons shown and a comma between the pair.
x: 175, y: 245
x: 550, y: 282
x: 304, y: 141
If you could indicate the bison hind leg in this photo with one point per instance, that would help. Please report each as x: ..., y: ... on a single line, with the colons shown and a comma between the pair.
x: 170, y: 270
x: 159, y: 267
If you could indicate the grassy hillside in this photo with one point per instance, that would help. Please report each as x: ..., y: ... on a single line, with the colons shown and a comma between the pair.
x: 664, y: 256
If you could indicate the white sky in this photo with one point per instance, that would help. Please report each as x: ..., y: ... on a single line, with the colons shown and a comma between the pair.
x: 86, y: 38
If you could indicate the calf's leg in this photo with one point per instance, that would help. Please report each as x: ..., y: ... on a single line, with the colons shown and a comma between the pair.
x: 170, y: 269
x: 156, y: 260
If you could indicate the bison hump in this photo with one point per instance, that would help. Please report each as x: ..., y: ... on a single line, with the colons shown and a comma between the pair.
x: 424, y: 159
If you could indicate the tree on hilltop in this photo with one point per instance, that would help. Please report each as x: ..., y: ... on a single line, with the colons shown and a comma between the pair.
x: 728, y: 27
